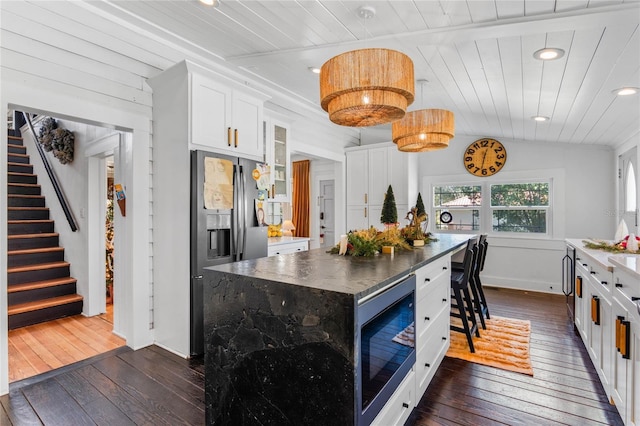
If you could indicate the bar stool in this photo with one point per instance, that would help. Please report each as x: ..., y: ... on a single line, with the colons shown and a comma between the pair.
x: 461, y: 303
x: 474, y: 279
x: 482, y: 255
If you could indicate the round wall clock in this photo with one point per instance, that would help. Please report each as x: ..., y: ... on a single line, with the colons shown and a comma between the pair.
x: 445, y: 217
x: 484, y: 157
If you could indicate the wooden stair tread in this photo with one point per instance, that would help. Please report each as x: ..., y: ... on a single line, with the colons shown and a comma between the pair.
x: 35, y: 250
x: 17, y: 154
x: 27, y: 208
x: 37, y: 267
x: 43, y: 304
x: 24, y: 196
x: 42, y: 235
x: 11, y: 163
x: 15, y: 138
x: 40, y: 284
x: 14, y: 145
x: 26, y: 185
x: 20, y: 174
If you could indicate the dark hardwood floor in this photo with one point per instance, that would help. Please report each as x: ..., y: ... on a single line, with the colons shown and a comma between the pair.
x: 153, y: 386
x: 564, y: 389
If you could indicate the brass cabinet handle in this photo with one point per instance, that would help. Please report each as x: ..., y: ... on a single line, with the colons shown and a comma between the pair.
x: 228, y: 136
x: 595, y: 310
x: 579, y: 286
x: 235, y: 137
x: 365, y: 212
x: 365, y: 198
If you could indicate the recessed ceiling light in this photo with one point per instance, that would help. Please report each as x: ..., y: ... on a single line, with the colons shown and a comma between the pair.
x: 626, y: 91
x: 214, y: 3
x: 548, y: 54
x: 540, y: 118
x: 314, y: 70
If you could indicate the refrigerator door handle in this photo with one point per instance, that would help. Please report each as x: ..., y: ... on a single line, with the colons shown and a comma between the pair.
x: 236, y: 215
x: 245, y: 209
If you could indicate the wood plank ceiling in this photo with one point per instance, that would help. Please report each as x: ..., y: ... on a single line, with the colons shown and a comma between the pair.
x: 476, y: 55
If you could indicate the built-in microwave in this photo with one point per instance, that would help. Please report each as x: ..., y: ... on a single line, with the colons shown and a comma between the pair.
x: 386, y: 345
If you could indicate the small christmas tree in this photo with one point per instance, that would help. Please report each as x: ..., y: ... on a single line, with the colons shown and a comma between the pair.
x: 389, y: 214
x: 420, y: 206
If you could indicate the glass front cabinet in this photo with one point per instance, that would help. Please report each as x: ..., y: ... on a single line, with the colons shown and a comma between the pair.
x: 278, y: 157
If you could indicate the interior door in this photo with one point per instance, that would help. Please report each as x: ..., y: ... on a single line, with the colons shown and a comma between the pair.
x: 327, y: 213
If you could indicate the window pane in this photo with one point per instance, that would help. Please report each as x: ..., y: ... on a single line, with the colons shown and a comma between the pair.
x: 520, y: 194
x: 458, y: 220
x: 630, y: 198
x: 520, y: 221
x: 457, y: 196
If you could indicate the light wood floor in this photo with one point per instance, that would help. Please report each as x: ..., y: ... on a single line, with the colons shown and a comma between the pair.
x: 39, y: 348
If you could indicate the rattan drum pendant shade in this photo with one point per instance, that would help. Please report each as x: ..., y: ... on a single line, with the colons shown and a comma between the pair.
x: 423, y: 130
x: 367, y: 87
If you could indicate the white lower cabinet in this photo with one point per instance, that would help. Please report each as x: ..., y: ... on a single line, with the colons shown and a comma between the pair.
x: 625, y: 381
x: 582, y: 302
x: 433, y: 283
x: 397, y: 410
x: 284, y: 245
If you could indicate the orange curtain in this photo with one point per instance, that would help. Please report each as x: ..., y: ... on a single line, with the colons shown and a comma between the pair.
x: 300, y: 198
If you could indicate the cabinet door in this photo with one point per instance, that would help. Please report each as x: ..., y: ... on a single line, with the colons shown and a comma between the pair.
x: 210, y: 113
x: 247, y: 125
x: 357, y: 217
x: 378, y: 175
x: 398, y: 178
x: 620, y: 363
x: 357, y: 178
x: 633, y: 375
x: 279, y: 159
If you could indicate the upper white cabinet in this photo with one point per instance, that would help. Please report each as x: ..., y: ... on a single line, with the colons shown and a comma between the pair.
x: 225, y: 118
x: 370, y: 171
x: 278, y: 157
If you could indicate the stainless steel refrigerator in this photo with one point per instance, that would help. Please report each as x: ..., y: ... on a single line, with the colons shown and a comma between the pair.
x: 224, y: 226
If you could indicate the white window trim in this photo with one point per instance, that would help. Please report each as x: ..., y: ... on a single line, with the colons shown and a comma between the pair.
x: 555, y: 212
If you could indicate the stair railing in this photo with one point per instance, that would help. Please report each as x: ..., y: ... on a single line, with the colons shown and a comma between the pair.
x: 54, y: 181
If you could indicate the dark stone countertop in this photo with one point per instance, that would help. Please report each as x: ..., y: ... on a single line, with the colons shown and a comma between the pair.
x: 357, y: 276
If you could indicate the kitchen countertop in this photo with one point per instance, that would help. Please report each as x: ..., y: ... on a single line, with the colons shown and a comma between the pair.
x: 608, y: 260
x: 627, y: 262
x: 285, y: 240
x: 600, y: 257
x: 357, y: 276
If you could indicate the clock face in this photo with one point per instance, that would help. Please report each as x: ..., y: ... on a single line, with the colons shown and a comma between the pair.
x: 485, y: 157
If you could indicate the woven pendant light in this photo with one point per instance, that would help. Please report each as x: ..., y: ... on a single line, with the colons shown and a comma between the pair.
x: 423, y: 130
x: 367, y: 87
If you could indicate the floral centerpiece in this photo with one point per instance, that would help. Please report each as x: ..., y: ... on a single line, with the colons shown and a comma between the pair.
x: 613, y: 247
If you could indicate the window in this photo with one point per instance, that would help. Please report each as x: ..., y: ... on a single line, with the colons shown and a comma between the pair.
x: 522, y: 207
x: 457, y: 207
x: 519, y: 207
x: 630, y: 190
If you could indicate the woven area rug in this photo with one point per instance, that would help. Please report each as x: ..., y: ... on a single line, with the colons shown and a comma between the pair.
x: 504, y: 344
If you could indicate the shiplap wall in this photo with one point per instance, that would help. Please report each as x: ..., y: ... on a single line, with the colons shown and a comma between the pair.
x: 71, y: 60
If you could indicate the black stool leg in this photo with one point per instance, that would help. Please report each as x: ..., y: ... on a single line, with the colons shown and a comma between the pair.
x: 469, y: 312
x: 463, y: 316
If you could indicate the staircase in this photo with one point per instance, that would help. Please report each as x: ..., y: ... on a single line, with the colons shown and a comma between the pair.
x: 39, y: 285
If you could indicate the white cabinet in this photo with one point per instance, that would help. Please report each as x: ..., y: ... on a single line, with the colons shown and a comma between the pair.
x: 601, y: 328
x: 370, y: 171
x: 582, y: 302
x: 397, y: 410
x: 193, y: 108
x: 226, y: 119
x: 625, y: 380
x: 278, y: 157
x: 287, y: 245
x: 433, y: 290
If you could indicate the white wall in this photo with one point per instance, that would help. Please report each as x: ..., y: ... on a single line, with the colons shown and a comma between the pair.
x: 583, y: 182
x: 73, y: 60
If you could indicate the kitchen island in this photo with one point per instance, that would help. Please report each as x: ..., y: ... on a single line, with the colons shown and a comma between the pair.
x: 281, y: 335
